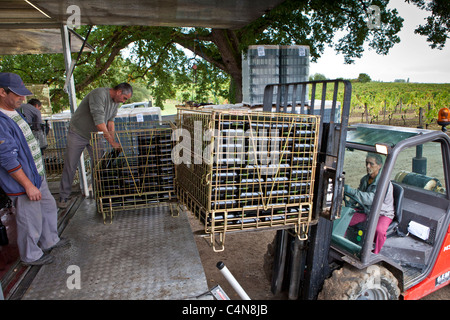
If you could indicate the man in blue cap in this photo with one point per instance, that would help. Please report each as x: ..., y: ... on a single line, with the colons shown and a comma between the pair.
x: 22, y: 177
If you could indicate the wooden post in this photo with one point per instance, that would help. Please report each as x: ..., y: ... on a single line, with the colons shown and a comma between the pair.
x: 366, y: 112
x: 421, y: 117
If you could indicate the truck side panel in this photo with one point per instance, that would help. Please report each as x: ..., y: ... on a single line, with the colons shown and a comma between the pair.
x: 438, y: 277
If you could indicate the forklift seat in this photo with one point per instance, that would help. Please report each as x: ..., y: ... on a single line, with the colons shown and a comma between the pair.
x: 398, y: 208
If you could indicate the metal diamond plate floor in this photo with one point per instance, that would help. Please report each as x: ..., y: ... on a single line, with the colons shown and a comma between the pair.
x: 143, y: 254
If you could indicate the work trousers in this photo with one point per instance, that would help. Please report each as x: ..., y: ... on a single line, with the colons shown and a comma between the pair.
x: 380, y: 233
x: 36, y: 224
x: 75, y: 147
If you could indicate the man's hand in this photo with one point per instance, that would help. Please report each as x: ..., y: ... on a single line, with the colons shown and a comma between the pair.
x: 108, y: 133
x: 33, y: 193
x: 349, y: 190
x: 116, y: 146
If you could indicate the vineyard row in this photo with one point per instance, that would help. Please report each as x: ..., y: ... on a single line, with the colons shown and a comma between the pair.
x: 384, y: 99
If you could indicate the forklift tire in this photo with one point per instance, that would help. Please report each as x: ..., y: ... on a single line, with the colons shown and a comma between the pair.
x: 349, y: 283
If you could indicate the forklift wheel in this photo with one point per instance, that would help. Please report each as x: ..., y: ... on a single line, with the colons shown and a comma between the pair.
x: 349, y: 283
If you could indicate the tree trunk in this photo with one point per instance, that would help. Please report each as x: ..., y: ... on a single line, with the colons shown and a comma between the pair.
x: 230, y: 59
x: 228, y: 45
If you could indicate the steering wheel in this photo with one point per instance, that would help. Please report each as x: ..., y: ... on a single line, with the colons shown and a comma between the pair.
x: 356, y: 232
x: 348, y: 203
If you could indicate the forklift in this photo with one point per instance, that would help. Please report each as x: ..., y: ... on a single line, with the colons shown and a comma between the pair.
x: 337, y: 261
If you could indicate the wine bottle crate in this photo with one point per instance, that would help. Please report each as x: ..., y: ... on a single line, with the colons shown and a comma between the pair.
x: 243, y: 170
x: 140, y: 175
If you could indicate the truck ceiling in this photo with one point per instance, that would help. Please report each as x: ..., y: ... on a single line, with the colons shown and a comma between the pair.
x: 369, y: 135
x: 27, y: 15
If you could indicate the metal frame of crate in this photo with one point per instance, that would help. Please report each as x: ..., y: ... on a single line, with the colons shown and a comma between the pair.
x: 141, y: 175
x: 53, y: 155
x: 240, y: 170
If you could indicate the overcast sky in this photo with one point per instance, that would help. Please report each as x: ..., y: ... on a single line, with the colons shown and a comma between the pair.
x: 412, y: 58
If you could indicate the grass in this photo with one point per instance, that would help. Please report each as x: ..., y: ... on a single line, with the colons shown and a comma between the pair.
x: 169, y: 107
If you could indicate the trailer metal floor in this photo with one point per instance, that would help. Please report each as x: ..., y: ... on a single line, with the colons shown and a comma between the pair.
x: 143, y: 254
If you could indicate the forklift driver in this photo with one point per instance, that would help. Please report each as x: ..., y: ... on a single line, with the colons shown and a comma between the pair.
x: 364, y: 195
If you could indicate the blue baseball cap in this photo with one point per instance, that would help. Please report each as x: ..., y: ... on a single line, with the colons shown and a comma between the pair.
x: 14, y: 83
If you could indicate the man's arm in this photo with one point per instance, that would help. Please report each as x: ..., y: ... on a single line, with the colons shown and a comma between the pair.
x: 110, y: 126
x: 33, y: 193
x: 108, y: 134
x: 8, y: 158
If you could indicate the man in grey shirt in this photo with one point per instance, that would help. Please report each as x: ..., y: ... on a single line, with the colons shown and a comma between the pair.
x: 32, y: 114
x: 94, y: 114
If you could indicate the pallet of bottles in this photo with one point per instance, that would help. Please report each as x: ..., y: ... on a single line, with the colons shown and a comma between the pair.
x: 141, y: 174
x: 241, y: 170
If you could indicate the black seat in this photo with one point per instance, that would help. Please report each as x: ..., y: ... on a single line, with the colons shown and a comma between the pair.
x: 398, y: 207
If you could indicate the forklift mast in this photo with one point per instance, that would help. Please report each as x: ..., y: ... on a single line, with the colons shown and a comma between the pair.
x: 301, y: 266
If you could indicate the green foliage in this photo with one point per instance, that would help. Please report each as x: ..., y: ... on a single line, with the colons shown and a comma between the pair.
x: 392, y: 95
x: 158, y: 61
x: 157, y: 58
x: 364, y: 77
x: 38, y: 69
x: 140, y: 93
x: 437, y: 24
x: 317, y: 77
x: 315, y: 23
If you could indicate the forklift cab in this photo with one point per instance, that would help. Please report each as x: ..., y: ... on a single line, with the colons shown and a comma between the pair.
x: 336, y: 260
x: 416, y: 163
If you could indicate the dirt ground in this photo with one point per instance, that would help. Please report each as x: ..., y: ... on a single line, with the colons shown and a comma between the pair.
x: 244, y: 257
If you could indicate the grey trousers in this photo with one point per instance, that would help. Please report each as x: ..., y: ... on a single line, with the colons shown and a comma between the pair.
x: 36, y: 224
x: 75, y: 147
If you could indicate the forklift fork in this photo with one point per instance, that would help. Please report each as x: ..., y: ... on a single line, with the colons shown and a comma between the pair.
x: 301, y: 266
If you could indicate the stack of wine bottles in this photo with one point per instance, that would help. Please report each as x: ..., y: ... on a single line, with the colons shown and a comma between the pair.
x: 257, y: 169
x: 140, y: 174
